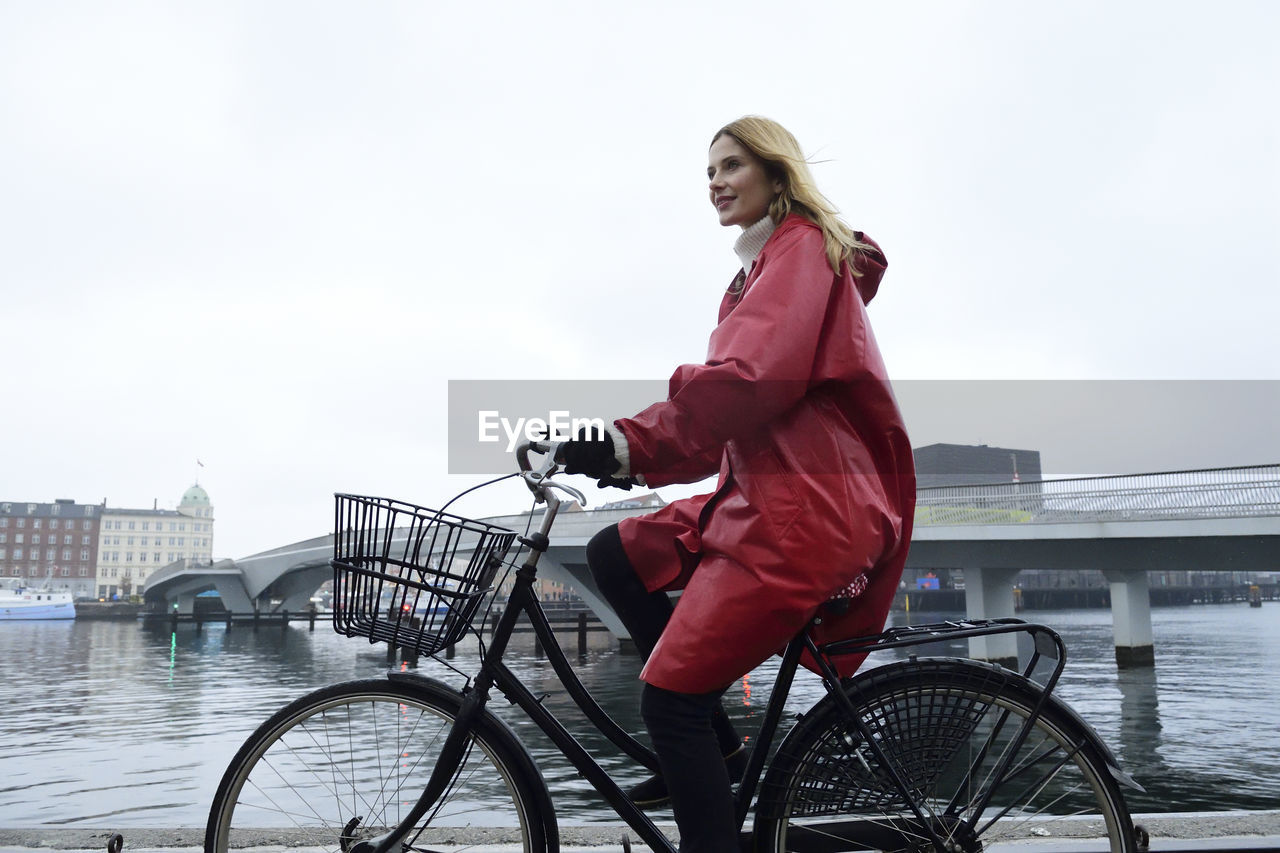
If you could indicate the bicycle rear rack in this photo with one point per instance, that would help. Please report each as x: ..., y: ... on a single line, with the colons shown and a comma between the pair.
x: 1046, y: 642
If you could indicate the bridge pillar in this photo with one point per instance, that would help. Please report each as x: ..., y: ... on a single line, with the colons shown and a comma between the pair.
x: 988, y: 594
x: 234, y: 598
x: 186, y: 602
x: 1131, y: 617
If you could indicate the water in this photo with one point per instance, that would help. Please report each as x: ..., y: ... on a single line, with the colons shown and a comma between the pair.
x: 111, y: 725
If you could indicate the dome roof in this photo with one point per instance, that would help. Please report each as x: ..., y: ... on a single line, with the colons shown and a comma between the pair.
x: 195, y: 495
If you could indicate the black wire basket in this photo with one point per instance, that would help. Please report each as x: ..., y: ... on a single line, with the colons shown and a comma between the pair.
x: 408, y: 575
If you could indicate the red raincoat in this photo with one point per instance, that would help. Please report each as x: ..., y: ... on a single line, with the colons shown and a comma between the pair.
x: 816, y: 490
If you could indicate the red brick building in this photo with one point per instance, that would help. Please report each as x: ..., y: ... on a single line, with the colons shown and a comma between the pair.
x: 50, y: 544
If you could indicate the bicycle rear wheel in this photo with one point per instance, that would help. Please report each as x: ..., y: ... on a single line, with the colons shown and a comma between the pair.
x: 945, y: 726
x: 347, y: 762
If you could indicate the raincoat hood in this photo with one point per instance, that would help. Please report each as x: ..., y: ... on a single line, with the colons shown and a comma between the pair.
x: 868, y: 268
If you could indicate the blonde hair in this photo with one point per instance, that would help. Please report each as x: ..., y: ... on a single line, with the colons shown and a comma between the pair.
x: 783, y: 160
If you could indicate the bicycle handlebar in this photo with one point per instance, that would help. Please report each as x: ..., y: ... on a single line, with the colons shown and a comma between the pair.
x: 539, y: 480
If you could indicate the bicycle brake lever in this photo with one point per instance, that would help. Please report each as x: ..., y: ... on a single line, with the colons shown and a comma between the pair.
x: 569, y: 490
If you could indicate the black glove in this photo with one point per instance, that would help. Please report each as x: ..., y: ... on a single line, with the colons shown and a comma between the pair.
x: 590, y: 454
x: 624, y: 483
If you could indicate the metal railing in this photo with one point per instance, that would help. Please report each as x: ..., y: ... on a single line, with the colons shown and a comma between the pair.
x: 1244, y: 492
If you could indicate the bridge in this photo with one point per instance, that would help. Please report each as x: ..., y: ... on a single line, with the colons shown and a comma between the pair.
x: 1222, y: 519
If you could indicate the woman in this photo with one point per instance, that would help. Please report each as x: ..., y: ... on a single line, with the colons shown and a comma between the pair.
x: 816, y: 485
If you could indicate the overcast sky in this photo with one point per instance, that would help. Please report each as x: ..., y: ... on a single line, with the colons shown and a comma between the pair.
x: 265, y: 235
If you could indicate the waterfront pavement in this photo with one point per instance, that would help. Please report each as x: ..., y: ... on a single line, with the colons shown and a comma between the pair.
x: 1220, y: 832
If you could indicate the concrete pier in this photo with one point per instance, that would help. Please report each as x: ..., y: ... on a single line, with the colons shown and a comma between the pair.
x: 988, y: 594
x: 1131, y: 617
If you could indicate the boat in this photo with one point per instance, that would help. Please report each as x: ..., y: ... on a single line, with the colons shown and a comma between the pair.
x: 19, y: 602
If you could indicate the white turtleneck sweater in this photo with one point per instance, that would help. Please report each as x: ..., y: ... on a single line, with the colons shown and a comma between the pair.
x: 747, y: 248
x: 752, y: 240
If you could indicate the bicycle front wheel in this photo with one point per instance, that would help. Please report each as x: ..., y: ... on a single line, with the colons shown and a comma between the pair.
x: 946, y: 727
x: 348, y: 762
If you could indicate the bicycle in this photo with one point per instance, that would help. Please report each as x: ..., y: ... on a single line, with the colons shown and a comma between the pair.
x: 940, y: 754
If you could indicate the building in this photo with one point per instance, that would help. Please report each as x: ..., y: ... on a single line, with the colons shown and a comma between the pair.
x: 136, y: 542
x: 967, y: 465
x: 51, y: 544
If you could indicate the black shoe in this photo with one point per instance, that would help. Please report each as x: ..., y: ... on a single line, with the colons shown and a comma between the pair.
x: 652, y: 792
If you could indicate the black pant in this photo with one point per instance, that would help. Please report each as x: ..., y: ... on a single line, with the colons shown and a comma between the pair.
x: 691, y: 733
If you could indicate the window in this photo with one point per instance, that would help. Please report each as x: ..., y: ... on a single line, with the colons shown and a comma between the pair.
x: 84, y: 540
x: 56, y: 509
x: 88, y: 525
x: 84, y: 573
x: 146, y: 525
x: 142, y: 556
x: 66, y: 539
x: 53, y: 523
x: 84, y: 553
x: 17, y: 554
x: 35, y: 522
x: 155, y: 558
x: 6, y: 507
x: 50, y: 554
x: 66, y: 554
x: 182, y: 526
x: 19, y: 538
x: 31, y: 509
x: 2, y: 553
x: 88, y: 510
x: 4, y: 522
x: 182, y: 542
x: 66, y: 572
x: 35, y: 539
x: 22, y: 522
x: 171, y: 541
x: 158, y: 542
x: 128, y: 557
x: 4, y: 537
x: 130, y: 540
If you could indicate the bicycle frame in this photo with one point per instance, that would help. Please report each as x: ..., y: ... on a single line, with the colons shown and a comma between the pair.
x: 496, y: 674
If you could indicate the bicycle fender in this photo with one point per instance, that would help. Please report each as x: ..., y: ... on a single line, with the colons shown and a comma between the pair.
x: 1090, y: 734
x: 501, y: 733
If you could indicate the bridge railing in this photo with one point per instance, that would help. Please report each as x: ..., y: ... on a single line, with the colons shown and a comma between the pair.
x: 1242, y: 492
